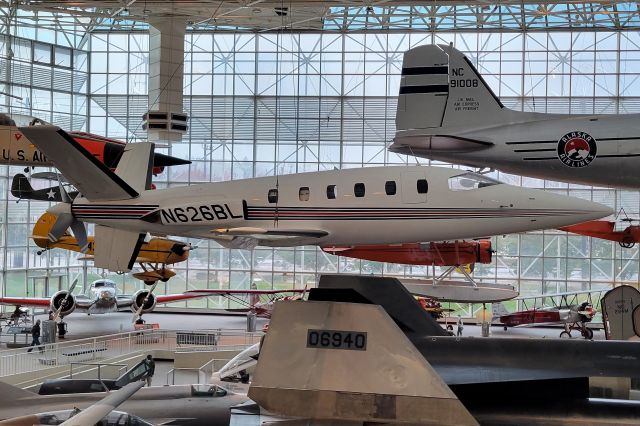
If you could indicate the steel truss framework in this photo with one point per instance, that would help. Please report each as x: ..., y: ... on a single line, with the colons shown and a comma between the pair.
x: 262, y: 103
x: 73, y: 22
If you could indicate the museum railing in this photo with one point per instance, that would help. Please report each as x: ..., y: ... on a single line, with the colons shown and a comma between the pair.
x: 49, y: 356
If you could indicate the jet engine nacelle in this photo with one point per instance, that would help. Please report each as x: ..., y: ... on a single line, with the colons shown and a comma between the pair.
x: 68, y: 305
x: 138, y: 299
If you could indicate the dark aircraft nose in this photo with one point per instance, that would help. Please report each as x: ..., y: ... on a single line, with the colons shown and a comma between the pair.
x: 162, y: 160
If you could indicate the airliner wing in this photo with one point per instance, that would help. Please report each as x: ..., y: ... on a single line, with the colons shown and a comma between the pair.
x: 225, y: 292
x: 168, y: 298
x: 25, y: 301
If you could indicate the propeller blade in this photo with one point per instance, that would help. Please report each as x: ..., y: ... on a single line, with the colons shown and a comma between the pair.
x: 66, y: 298
x: 138, y: 313
x: 61, y: 225
x: 80, y: 232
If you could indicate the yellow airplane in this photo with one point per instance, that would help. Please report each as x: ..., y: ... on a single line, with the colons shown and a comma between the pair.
x: 153, y: 256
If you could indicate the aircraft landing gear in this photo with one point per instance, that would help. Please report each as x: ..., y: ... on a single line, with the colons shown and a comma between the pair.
x: 627, y: 242
x: 587, y: 333
x: 150, y: 282
x: 566, y: 334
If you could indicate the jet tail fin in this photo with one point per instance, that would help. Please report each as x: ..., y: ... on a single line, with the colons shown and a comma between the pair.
x: 348, y: 362
x: 89, y: 175
x: 441, y: 87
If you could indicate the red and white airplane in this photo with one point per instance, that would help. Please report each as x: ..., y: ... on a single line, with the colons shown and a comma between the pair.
x: 573, y: 317
x: 455, y: 253
x: 626, y: 237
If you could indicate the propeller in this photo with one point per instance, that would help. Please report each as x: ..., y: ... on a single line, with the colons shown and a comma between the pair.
x: 181, y: 248
x: 65, y: 300
x: 138, y: 313
x: 65, y: 220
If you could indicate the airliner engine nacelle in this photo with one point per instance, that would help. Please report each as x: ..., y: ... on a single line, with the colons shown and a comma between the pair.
x: 62, y: 298
x: 138, y: 300
x: 202, y: 212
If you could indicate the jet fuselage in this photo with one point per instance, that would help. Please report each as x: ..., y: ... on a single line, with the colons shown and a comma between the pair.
x: 380, y: 205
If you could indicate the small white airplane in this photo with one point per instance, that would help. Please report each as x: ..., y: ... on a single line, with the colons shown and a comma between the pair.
x: 378, y: 205
x: 447, y: 112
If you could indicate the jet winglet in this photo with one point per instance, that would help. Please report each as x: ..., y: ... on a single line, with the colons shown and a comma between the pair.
x: 348, y: 362
x: 92, y: 178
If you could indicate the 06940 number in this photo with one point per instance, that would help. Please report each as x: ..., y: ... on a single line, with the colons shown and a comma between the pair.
x: 337, y: 339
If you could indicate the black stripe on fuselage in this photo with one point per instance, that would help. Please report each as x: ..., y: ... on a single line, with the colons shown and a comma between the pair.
x: 431, y: 88
x: 436, y: 69
x: 535, y: 150
x: 599, y: 156
x: 630, y: 138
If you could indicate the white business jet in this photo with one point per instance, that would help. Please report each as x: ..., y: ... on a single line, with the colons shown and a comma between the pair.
x: 378, y: 205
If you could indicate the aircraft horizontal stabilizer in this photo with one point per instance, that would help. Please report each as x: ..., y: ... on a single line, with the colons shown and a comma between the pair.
x: 116, y: 249
x: 89, y: 175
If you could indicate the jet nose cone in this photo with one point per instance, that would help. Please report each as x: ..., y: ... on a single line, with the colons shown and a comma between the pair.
x: 590, y: 210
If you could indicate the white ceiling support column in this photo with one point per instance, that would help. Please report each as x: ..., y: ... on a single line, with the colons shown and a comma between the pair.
x: 166, y: 121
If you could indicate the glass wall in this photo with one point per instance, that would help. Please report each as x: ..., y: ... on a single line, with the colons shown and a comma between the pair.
x: 267, y: 104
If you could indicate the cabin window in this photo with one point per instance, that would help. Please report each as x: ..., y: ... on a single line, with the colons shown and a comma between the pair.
x: 390, y: 187
x: 303, y: 193
x: 358, y: 190
x: 423, y: 186
x: 331, y: 192
x: 273, y: 196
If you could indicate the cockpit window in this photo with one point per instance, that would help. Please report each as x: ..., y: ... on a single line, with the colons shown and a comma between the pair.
x: 207, y: 390
x: 98, y: 284
x: 468, y: 181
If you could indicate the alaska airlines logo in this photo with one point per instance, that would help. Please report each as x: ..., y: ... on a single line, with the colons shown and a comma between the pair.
x: 577, y: 149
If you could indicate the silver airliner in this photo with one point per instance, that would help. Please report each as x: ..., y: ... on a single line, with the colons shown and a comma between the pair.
x: 102, y: 297
x: 447, y: 112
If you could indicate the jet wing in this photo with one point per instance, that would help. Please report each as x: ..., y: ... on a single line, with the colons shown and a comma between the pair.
x: 25, y: 301
x: 100, y: 409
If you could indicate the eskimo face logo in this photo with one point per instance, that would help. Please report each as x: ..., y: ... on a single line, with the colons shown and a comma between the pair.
x: 577, y: 149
